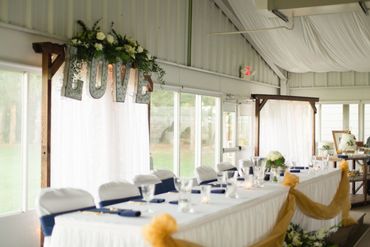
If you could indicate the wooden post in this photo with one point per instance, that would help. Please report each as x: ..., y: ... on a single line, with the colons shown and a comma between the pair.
x: 49, y: 67
x: 261, y: 100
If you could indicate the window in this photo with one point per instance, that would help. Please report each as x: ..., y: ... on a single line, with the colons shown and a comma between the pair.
x: 331, y: 119
x: 20, y: 127
x: 187, y: 134
x: 367, y: 122
x: 353, y: 119
x: 209, y: 126
x: 161, y: 129
x: 183, y: 131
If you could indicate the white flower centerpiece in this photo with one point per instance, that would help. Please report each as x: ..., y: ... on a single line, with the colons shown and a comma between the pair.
x: 325, y: 148
x: 347, y: 143
x: 275, y: 161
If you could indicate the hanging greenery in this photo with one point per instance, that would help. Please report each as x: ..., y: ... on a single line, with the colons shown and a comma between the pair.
x: 93, y: 43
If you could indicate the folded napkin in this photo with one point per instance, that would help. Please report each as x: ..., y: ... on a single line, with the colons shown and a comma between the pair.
x: 155, y: 200
x: 267, y: 177
x: 240, y: 179
x: 218, y: 185
x: 295, y: 170
x: 118, y: 211
x: 218, y: 191
x: 174, y: 202
x: 299, y: 167
x: 194, y: 191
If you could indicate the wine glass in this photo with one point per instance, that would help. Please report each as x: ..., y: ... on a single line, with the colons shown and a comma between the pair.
x: 177, y: 183
x: 147, y: 191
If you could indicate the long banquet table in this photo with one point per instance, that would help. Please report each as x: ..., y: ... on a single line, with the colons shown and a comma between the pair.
x: 222, y: 222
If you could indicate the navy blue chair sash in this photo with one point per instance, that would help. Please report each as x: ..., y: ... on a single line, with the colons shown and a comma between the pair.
x: 165, y: 186
x: 48, y: 221
x: 119, y: 200
x: 208, y: 181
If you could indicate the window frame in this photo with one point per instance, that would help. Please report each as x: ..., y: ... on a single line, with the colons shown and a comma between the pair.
x: 26, y: 70
x: 198, y: 93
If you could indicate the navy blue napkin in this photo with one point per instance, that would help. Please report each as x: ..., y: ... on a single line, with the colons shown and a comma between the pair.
x: 299, y: 167
x: 267, y: 177
x: 295, y: 170
x: 194, y: 191
x: 174, y: 202
x: 155, y: 200
x: 118, y: 211
x: 218, y: 185
x: 218, y: 191
x: 240, y: 179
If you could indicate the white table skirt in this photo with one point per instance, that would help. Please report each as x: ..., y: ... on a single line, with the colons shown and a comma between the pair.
x: 222, y: 222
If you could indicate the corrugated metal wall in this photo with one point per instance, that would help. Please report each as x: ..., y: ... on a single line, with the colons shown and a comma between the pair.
x: 159, y: 25
x: 224, y: 53
x: 330, y: 79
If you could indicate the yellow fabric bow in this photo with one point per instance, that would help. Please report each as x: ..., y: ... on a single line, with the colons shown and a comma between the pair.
x: 159, y: 232
x: 290, y: 180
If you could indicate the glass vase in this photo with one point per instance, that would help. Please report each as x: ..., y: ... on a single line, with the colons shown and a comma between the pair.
x: 274, y: 175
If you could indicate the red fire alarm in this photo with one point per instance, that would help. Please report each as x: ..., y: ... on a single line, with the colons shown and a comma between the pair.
x: 247, y: 70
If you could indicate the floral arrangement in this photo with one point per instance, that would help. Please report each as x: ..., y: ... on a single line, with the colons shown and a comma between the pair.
x: 275, y: 159
x: 347, y: 142
x: 296, y: 236
x: 114, y: 47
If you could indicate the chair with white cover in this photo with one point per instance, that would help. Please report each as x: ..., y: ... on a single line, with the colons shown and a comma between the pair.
x: 205, y: 174
x: 167, y: 181
x: 225, y: 166
x: 145, y: 179
x: 117, y: 192
x: 53, y: 202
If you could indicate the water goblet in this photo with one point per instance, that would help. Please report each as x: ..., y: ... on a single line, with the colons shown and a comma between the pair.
x: 147, y: 191
x: 177, y: 183
x: 205, y: 192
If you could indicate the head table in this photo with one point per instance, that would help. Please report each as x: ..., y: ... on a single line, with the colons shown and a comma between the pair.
x: 221, y: 222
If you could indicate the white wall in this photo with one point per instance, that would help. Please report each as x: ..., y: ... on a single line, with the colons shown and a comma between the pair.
x: 161, y: 26
x: 21, y: 230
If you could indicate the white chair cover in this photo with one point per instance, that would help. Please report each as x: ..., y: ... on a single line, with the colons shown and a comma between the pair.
x: 117, y: 190
x: 224, y: 166
x: 245, y: 163
x: 52, y: 201
x: 205, y: 173
x: 146, y: 179
x: 163, y: 174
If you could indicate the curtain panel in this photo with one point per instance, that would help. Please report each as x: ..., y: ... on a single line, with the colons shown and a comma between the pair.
x: 94, y: 141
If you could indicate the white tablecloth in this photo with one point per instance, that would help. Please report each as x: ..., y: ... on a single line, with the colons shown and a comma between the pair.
x: 222, y: 222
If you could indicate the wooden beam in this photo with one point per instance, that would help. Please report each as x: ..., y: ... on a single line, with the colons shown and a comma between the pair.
x: 261, y: 100
x: 49, y: 68
x: 284, y: 97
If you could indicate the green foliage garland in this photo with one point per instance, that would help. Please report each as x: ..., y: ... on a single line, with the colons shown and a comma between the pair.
x: 114, y: 47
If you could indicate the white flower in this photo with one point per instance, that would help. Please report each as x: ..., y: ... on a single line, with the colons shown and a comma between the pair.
x: 98, y: 46
x: 140, y: 49
x: 100, y: 36
x: 130, y: 50
x: 74, y: 41
x: 296, y: 241
x: 321, y: 234
x: 110, y: 39
x: 131, y: 41
x: 149, y: 56
x: 347, y: 142
x: 274, y: 155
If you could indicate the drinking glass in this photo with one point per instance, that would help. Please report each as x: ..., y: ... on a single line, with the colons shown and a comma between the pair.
x: 205, y: 192
x: 231, y: 189
x: 147, y: 191
x: 177, y: 183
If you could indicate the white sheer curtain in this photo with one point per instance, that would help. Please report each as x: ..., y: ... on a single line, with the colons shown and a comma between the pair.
x: 286, y: 126
x: 97, y: 140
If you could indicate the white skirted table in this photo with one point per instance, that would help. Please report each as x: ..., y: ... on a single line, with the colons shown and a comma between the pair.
x: 221, y: 222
